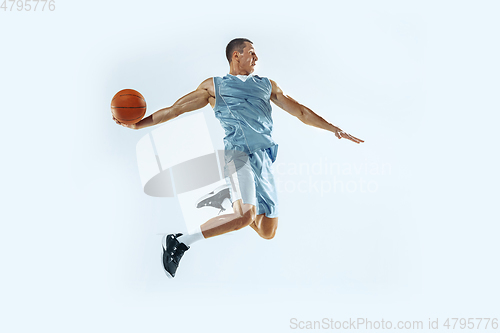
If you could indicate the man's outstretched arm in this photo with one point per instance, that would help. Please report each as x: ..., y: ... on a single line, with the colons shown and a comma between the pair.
x: 193, y: 101
x: 306, y: 115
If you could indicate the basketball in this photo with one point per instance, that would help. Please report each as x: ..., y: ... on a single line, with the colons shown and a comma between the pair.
x: 128, y: 106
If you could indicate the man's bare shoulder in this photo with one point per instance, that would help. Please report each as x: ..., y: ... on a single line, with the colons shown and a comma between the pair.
x: 275, y: 89
x: 208, y: 85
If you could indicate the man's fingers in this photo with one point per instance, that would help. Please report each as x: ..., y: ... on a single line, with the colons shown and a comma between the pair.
x: 117, y: 121
x: 359, y: 140
x: 350, y: 137
x: 355, y: 139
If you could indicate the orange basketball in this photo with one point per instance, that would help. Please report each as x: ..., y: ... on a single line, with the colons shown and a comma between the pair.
x: 128, y: 106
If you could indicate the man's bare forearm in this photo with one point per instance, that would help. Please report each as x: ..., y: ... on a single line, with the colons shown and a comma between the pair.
x: 308, y: 117
x: 159, y: 116
x: 193, y: 101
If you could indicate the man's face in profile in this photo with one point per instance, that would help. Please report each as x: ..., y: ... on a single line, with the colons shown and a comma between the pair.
x: 248, y: 58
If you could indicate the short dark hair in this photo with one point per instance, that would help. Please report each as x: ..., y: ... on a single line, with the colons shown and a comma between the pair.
x: 237, y: 44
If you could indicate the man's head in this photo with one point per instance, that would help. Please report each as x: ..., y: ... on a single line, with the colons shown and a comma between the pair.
x: 241, y: 55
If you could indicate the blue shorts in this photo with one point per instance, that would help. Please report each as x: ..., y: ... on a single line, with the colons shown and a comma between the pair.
x: 251, y: 179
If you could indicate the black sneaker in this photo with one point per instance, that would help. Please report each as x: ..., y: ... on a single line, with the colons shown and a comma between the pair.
x: 215, y: 198
x: 172, y: 252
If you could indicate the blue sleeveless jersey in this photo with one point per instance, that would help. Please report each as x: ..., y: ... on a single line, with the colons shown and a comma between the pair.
x: 244, y: 111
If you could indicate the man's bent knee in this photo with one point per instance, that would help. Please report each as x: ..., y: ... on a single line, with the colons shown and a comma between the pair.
x: 268, y: 230
x: 268, y: 234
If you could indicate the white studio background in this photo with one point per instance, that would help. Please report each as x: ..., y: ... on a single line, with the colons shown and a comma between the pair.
x: 418, y: 81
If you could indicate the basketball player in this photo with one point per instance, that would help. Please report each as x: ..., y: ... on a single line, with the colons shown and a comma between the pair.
x: 241, y: 102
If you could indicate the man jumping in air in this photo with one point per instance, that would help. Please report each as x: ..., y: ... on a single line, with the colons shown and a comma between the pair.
x: 241, y: 102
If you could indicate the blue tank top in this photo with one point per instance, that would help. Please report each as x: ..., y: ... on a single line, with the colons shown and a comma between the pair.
x: 244, y: 111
